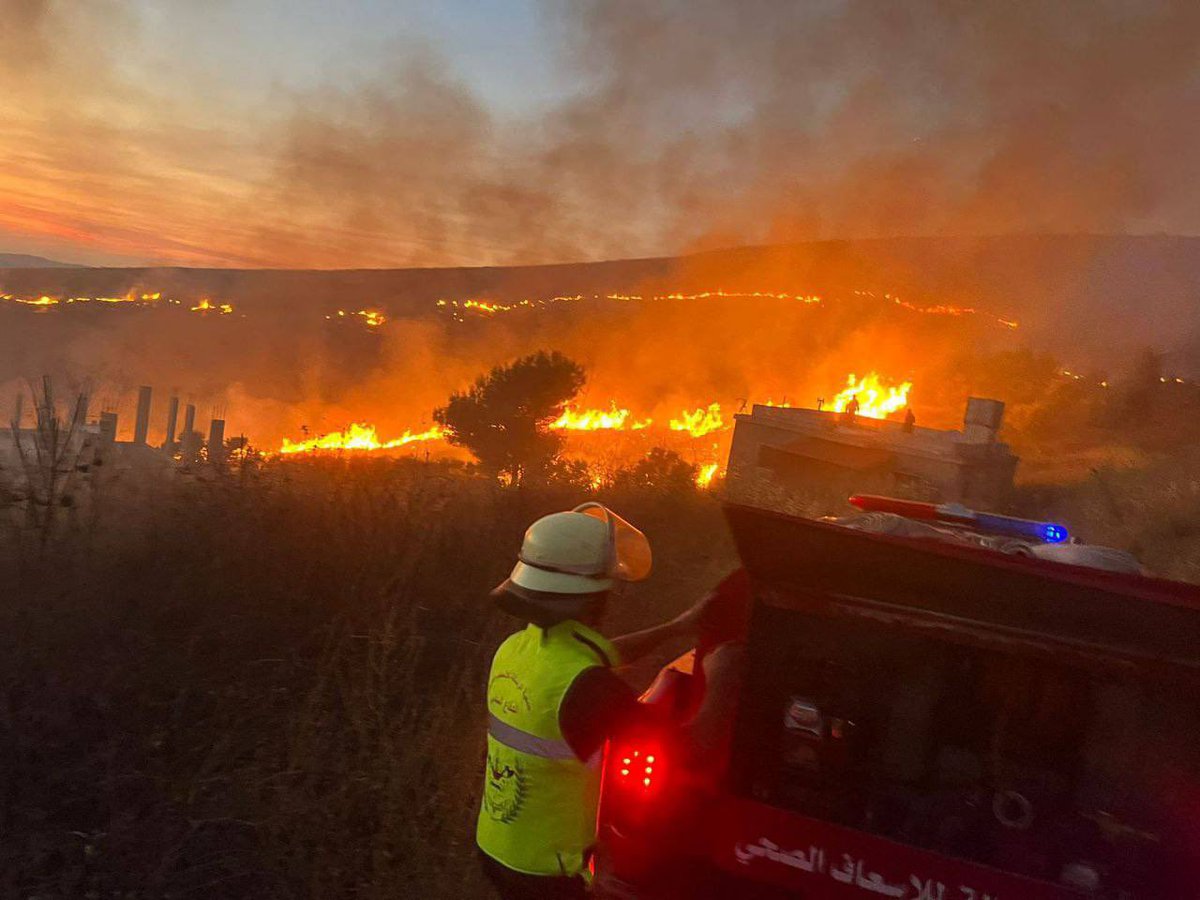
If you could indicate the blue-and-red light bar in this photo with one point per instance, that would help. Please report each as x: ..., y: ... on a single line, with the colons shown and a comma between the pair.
x: 957, y: 514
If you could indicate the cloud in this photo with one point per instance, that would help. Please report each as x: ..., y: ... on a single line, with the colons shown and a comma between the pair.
x: 692, y: 124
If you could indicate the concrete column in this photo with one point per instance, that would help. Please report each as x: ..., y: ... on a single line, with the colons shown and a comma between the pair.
x: 141, y: 425
x: 108, y: 428
x: 216, y: 442
x: 189, y: 439
x: 172, y: 420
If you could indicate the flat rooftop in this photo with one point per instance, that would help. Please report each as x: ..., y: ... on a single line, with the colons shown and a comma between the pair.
x: 883, y: 434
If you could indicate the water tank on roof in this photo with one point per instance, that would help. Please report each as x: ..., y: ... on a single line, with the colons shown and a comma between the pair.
x: 983, y: 420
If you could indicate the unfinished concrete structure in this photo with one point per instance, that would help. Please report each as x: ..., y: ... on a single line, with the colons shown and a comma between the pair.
x: 102, y: 433
x: 795, y: 450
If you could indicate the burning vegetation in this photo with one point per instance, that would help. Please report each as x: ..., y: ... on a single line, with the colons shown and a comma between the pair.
x: 872, y: 398
x: 371, y: 370
x: 45, y: 302
x: 357, y: 367
x: 358, y: 438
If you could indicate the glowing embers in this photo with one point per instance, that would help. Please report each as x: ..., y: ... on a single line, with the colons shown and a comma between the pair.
x: 369, y: 317
x: 155, y: 298
x: 612, y: 419
x: 875, y: 399
x: 943, y: 309
x: 206, y: 306
x: 490, y: 308
x: 487, y: 308
x: 358, y: 438
x: 700, y: 421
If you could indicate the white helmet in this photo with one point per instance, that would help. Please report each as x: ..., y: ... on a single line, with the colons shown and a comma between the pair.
x: 578, y: 553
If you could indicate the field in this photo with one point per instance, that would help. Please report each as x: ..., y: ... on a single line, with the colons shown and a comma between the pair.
x: 269, y: 686
x: 267, y: 682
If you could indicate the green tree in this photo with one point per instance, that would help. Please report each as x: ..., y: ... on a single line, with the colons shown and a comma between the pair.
x: 503, y: 417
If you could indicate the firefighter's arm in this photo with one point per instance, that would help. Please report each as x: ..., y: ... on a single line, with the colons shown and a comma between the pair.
x: 638, y: 644
x: 721, y: 617
x: 597, y: 706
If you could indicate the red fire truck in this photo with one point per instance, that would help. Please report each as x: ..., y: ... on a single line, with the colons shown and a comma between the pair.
x: 928, y: 720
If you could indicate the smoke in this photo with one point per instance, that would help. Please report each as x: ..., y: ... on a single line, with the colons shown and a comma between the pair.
x: 860, y: 119
x: 704, y: 123
x: 688, y: 124
x: 682, y: 126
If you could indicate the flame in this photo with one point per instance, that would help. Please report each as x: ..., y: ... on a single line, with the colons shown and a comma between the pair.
x: 150, y: 298
x: 459, y: 309
x: 372, y: 318
x: 358, y: 437
x: 704, y: 477
x: 700, y: 422
x: 490, y: 308
x: 875, y: 400
x: 205, y: 305
x: 612, y: 419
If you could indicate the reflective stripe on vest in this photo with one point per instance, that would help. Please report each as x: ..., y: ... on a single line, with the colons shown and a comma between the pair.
x: 529, y: 744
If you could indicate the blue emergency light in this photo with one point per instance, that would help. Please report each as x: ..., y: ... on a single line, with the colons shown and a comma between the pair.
x: 1047, y: 532
x: 954, y: 513
x: 1054, y: 534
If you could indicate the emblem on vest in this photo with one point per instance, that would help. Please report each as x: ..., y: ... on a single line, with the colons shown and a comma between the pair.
x: 507, y: 695
x: 504, y: 793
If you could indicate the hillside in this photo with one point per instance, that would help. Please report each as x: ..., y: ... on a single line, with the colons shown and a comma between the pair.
x: 282, y: 351
x: 1096, y: 296
x: 25, y: 261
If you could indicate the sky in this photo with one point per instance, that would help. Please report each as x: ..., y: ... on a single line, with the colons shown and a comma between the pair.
x: 298, y: 133
x: 217, y: 71
x: 253, y: 51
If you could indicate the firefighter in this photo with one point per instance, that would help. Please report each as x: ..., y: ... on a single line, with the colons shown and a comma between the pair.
x: 851, y: 410
x: 553, y: 699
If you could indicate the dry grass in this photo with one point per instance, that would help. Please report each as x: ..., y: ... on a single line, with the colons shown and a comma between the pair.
x: 271, y: 686
x: 1152, y: 510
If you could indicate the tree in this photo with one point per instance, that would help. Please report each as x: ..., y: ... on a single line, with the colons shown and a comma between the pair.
x: 659, y: 470
x: 503, y: 417
x: 51, y: 457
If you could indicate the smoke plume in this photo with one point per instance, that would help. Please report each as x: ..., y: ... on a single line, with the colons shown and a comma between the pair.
x: 694, y: 123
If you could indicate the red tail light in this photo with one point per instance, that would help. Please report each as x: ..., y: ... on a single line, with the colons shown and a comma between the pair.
x: 635, y: 770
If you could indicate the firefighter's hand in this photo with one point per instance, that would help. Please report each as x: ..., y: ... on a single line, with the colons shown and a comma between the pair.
x: 724, y: 615
x: 698, y: 616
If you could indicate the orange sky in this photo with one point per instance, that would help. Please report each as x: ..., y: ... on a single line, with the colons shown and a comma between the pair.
x: 280, y: 134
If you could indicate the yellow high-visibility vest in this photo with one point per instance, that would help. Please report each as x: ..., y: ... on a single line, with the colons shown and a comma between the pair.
x: 539, y: 801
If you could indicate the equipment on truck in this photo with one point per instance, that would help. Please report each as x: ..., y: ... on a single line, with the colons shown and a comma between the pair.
x: 937, y: 704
